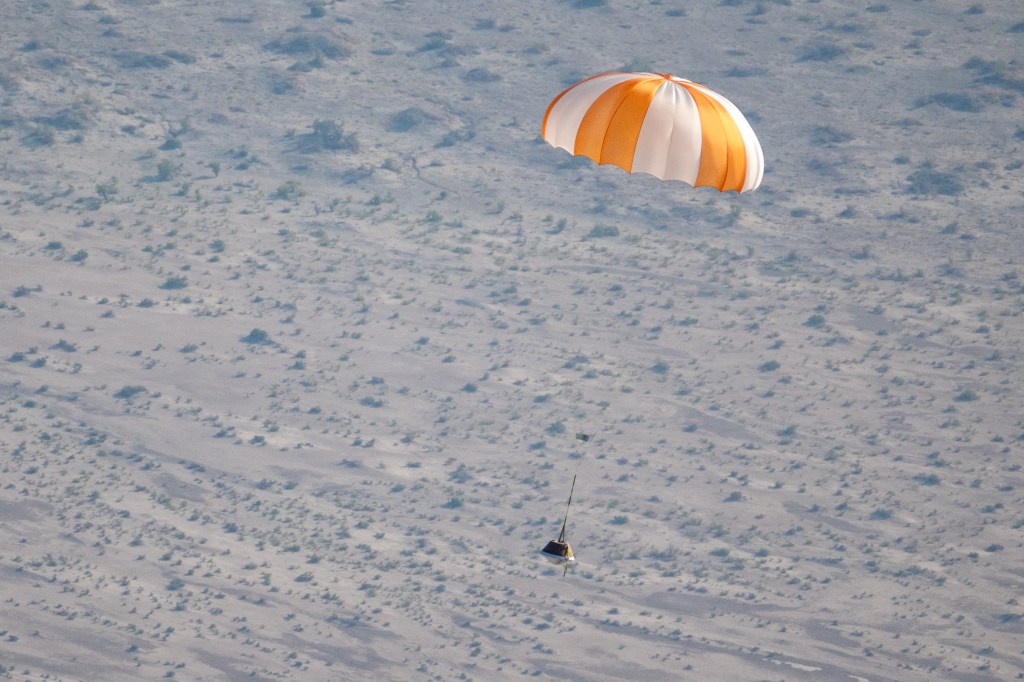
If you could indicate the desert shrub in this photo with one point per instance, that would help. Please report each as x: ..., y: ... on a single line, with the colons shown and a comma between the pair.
x: 602, y: 231
x: 23, y: 290
x: 283, y: 85
x: 481, y: 75
x: 558, y: 227
x: 927, y: 181
x: 299, y: 42
x: 8, y: 83
x: 555, y: 428
x: 166, y: 170
x: 667, y: 554
x: 435, y: 41
x: 815, y: 322
x: 965, y: 396
x: 315, y: 62
x: 180, y: 57
x: 175, y: 282
x: 998, y: 73
x: 407, y: 119
x: 41, y: 136
x: 820, y: 52
x: 107, y: 189
x: 290, y: 190
x: 955, y: 101
x: 53, y: 62
x: 129, y: 392
x: 460, y: 475
x: 257, y: 337
x: 769, y: 366
x: 71, y: 118
x: 328, y: 136
x: 827, y: 135
x: 140, y: 60
x: 453, y: 137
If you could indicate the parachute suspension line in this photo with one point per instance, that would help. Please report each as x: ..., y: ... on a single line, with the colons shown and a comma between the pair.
x: 561, y: 536
x: 584, y: 437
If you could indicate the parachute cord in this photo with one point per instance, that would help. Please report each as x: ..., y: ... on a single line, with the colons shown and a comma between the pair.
x: 561, y: 536
x: 585, y: 438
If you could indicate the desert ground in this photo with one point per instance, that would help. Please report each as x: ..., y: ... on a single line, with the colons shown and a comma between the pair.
x: 299, y: 317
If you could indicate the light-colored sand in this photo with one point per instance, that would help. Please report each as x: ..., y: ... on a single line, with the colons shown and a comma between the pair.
x: 806, y: 402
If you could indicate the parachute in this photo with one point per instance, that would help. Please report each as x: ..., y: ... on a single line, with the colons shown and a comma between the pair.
x: 669, y: 127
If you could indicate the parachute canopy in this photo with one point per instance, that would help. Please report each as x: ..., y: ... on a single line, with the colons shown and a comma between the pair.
x: 653, y: 123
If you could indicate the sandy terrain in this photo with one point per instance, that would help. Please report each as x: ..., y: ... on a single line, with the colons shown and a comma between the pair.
x: 298, y: 317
